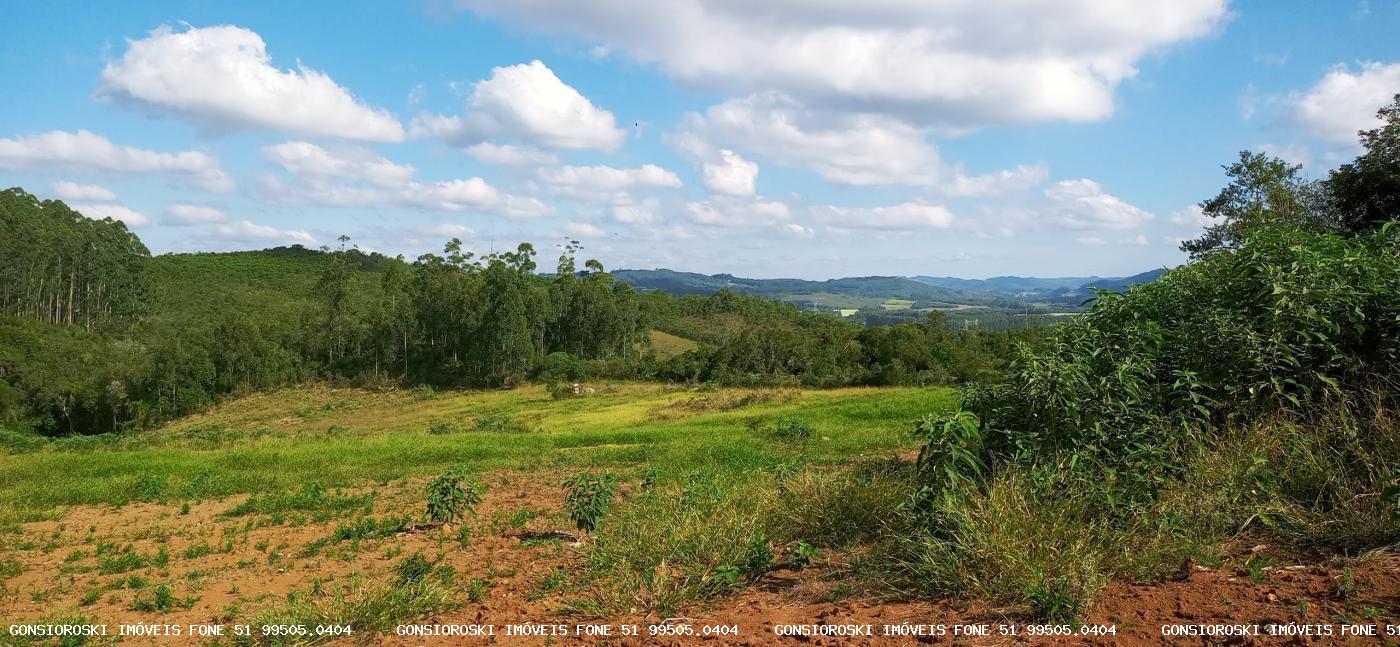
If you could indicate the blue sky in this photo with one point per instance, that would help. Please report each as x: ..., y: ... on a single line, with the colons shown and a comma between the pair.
x: 806, y: 138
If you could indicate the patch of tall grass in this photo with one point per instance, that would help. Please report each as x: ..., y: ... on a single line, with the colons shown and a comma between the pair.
x: 680, y: 541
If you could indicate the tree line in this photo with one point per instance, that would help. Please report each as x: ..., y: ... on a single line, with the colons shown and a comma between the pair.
x: 63, y: 268
x: 194, y: 328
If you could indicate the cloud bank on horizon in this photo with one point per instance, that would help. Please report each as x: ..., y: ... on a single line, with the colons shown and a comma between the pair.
x: 811, y: 139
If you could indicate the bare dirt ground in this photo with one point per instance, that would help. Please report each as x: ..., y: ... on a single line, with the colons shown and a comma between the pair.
x: 523, y: 574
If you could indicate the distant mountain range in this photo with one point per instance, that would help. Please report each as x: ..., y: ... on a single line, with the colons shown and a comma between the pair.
x: 1001, y: 291
x: 860, y: 287
x: 1056, y: 289
x: 1015, y: 285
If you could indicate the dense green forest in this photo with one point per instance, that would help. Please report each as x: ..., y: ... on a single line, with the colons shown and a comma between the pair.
x: 100, y: 337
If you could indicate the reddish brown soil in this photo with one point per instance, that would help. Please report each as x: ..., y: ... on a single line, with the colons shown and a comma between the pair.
x: 60, y: 568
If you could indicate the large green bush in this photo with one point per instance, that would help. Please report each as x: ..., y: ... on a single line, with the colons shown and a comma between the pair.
x: 1287, y: 324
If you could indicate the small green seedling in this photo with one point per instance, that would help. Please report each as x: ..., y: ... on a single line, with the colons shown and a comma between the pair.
x: 452, y: 495
x: 589, y: 498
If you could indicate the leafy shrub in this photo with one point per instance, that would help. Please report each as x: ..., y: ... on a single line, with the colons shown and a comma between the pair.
x: 18, y: 442
x: 588, y: 498
x: 1251, y: 387
x: 452, y: 495
x: 559, y: 368
x: 803, y: 554
x: 564, y: 391
x: 950, y: 462
x: 1287, y: 323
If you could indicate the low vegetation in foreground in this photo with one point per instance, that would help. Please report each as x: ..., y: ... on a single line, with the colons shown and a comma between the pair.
x: 334, y: 493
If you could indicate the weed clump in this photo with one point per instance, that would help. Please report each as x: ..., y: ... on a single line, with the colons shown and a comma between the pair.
x: 443, y: 427
x: 149, y: 487
x: 312, y: 497
x: 501, y: 423
x: 160, y: 599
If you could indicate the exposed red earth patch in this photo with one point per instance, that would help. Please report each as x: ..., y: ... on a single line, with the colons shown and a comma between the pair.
x: 515, y: 550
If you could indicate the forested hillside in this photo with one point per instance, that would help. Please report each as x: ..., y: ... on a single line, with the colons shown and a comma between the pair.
x: 98, y: 337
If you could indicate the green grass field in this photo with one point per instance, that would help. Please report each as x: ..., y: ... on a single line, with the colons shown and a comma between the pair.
x: 342, y: 438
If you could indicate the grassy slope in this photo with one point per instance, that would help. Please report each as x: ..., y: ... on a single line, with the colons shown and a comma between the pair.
x: 668, y: 345
x: 280, y: 440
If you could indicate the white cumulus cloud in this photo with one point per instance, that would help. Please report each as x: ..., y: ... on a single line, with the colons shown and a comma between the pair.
x: 905, y: 216
x: 1345, y: 102
x: 603, y: 182
x: 66, y: 190
x: 958, y: 184
x: 632, y: 214
x: 352, y: 177
x: 193, y: 214
x: 732, y: 175
x: 113, y: 211
x: 529, y: 102
x: 737, y: 212
x: 954, y: 64
x: 251, y: 232
x: 859, y: 149
x: 1193, y: 217
x: 584, y: 230
x: 85, y: 149
x: 222, y: 77
x: 508, y: 155
x: 1083, y: 204
x: 304, y: 158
